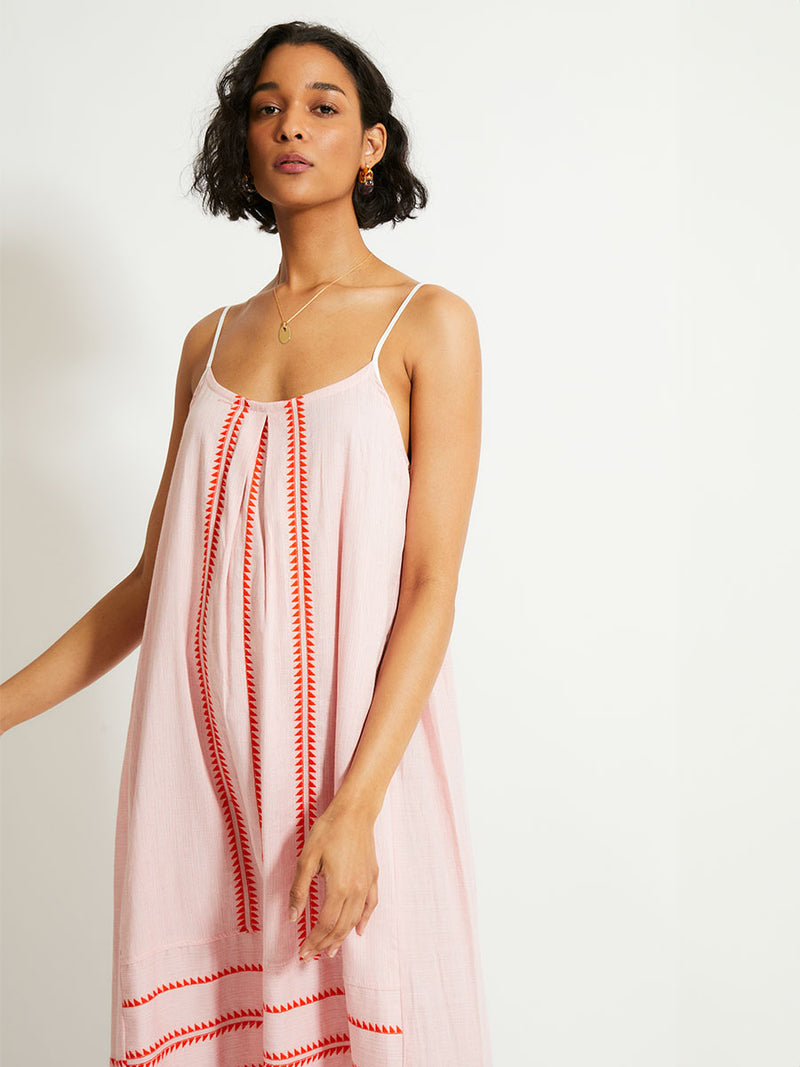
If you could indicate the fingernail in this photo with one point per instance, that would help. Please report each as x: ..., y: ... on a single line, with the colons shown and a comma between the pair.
x: 292, y: 913
x: 333, y: 952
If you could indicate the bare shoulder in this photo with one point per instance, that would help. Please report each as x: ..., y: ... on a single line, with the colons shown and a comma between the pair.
x: 442, y: 334
x: 195, y: 348
x: 197, y: 345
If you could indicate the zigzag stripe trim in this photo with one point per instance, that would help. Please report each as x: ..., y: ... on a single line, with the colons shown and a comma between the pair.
x: 224, y: 1024
x: 182, y: 983
x: 189, y: 1035
x: 374, y: 1028
x: 303, y: 640
x: 243, y: 871
x: 255, y: 744
x: 328, y: 1046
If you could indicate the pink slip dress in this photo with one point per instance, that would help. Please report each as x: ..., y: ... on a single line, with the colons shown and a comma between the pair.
x: 275, y: 586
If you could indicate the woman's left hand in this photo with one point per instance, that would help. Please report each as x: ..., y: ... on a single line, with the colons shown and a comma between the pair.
x: 341, y: 846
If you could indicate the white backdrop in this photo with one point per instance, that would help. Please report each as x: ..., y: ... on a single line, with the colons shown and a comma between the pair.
x: 614, y: 190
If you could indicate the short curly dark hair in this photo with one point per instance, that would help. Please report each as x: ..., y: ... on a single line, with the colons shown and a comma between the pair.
x: 221, y: 163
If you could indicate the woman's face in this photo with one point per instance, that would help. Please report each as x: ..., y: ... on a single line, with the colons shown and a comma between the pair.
x: 323, y: 124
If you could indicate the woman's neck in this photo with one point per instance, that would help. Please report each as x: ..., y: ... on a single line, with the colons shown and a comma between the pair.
x: 315, y: 251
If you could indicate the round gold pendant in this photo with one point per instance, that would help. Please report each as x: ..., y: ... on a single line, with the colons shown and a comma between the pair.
x: 284, y: 333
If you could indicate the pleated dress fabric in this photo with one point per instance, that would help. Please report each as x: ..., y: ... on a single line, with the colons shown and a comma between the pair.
x: 275, y: 587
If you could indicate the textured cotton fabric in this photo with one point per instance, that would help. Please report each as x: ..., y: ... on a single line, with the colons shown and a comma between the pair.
x: 274, y: 590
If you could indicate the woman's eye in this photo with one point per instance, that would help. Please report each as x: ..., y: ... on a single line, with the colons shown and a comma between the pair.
x: 265, y: 107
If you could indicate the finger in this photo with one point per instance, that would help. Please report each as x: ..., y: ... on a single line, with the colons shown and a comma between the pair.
x: 348, y: 919
x: 369, y: 907
x: 325, y: 924
x: 307, y: 868
x: 351, y: 910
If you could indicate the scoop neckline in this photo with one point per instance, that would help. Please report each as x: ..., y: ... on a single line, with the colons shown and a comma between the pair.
x: 273, y: 405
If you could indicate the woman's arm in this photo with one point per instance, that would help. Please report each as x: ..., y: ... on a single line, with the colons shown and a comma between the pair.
x: 445, y: 448
x: 110, y: 630
x: 95, y: 644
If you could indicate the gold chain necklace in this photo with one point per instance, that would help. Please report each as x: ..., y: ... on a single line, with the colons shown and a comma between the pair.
x: 284, y: 333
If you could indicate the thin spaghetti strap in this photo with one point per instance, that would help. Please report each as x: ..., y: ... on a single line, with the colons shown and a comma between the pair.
x: 388, y: 329
x: 216, y: 335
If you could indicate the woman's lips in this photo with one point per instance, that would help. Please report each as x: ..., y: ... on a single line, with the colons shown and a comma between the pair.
x: 292, y: 166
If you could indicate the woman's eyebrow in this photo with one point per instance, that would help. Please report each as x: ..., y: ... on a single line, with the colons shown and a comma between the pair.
x: 309, y: 85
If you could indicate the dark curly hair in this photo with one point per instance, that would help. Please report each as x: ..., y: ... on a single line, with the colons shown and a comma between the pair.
x: 220, y: 165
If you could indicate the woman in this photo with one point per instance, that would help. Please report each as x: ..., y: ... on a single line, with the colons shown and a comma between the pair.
x: 294, y: 711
